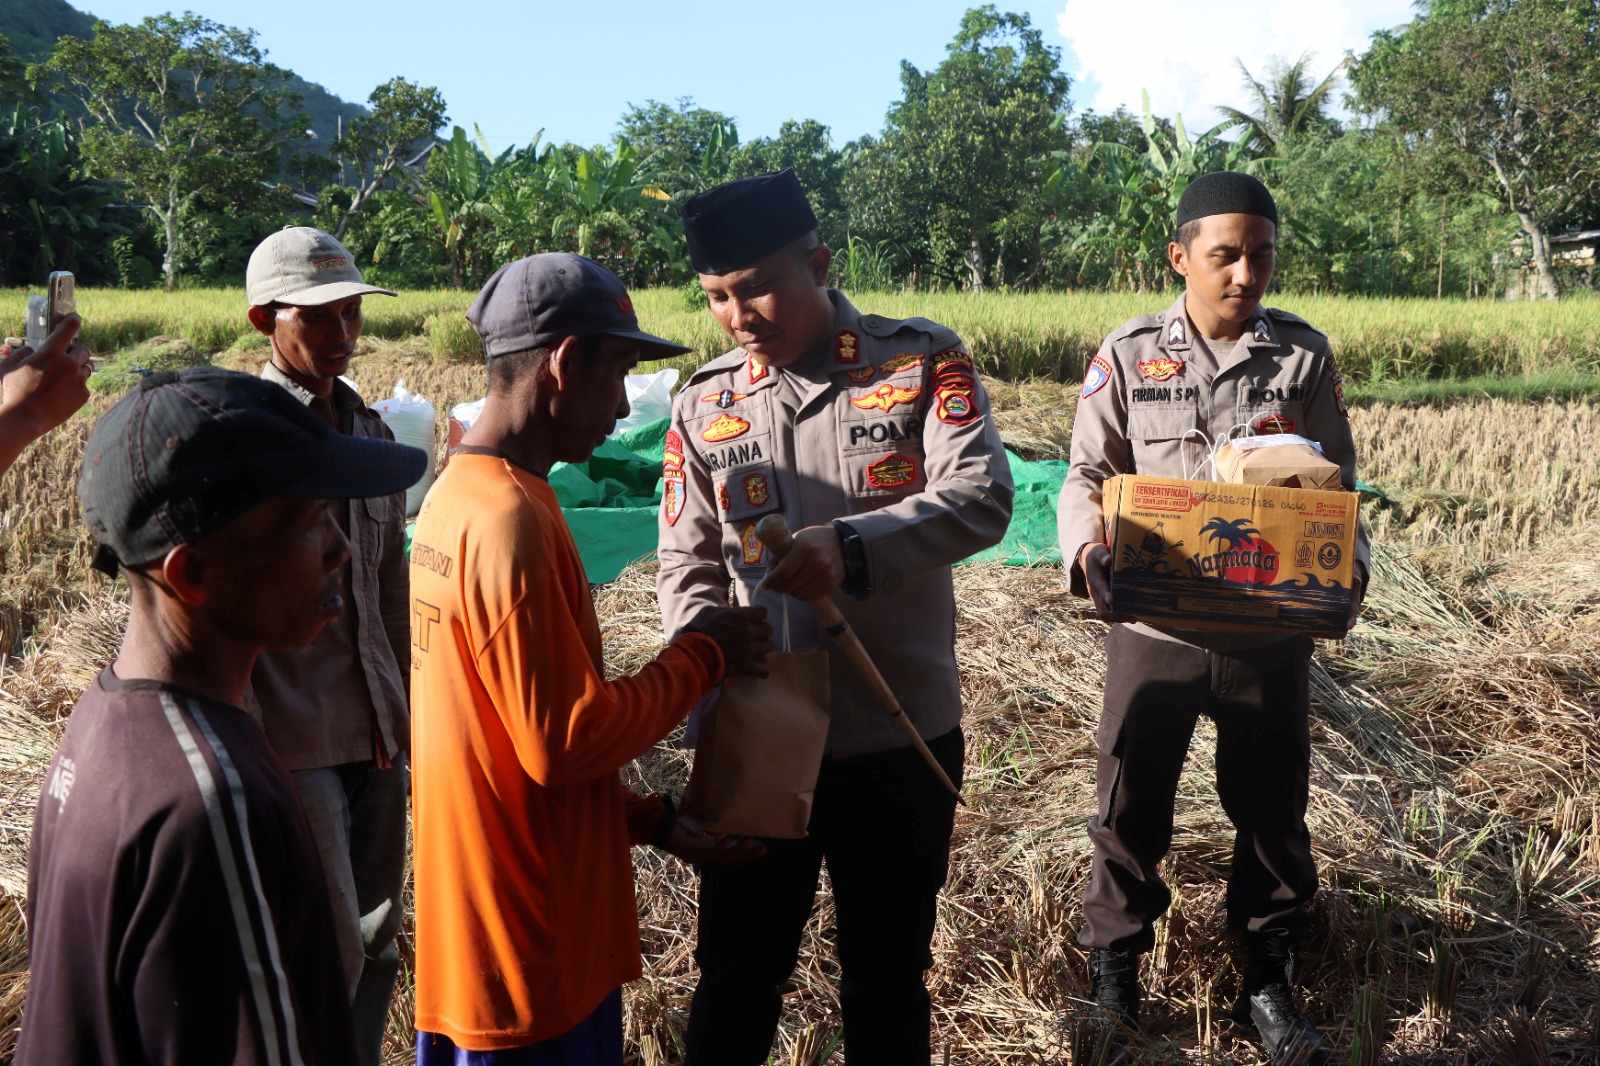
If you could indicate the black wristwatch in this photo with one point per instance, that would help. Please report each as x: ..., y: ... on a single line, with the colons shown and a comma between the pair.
x: 669, y: 819
x: 857, y: 582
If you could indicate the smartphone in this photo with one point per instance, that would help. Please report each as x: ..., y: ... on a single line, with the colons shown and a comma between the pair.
x: 46, y: 312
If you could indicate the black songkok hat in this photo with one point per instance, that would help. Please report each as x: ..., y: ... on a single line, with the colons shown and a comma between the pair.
x: 731, y: 226
x: 1226, y: 192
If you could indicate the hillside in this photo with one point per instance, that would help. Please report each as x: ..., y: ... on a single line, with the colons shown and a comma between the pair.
x: 33, y: 26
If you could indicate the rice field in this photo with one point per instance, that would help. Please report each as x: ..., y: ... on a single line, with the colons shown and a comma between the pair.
x: 1456, y: 761
x: 1014, y: 336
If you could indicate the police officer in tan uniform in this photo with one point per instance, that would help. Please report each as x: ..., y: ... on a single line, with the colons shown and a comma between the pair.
x: 1214, y: 361
x: 872, y: 437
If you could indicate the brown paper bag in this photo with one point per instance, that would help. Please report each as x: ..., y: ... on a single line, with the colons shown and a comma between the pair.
x: 1277, y: 459
x: 760, y: 750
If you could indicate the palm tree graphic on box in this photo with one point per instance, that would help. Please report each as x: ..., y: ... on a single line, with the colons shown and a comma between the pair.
x: 1238, y: 532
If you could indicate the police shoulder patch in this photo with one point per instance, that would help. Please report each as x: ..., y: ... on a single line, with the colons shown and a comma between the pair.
x: 1096, y: 378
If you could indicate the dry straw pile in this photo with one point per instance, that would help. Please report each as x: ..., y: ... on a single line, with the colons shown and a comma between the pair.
x: 1456, y: 775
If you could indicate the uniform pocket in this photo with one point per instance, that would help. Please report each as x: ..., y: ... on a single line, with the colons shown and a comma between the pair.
x: 894, y: 473
x: 1158, y: 423
x: 747, y: 493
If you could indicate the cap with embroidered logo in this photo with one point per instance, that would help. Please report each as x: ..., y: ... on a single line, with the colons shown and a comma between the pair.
x: 303, y: 267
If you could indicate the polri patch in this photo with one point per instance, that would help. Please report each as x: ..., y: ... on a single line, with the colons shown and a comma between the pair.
x: 886, y: 397
x: 892, y: 471
x: 1095, y: 379
x: 756, y: 490
x: 1159, y: 367
x: 725, y: 427
x: 955, y: 407
x: 672, y: 495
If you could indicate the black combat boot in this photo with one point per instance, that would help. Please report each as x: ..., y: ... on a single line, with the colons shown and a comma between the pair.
x: 1114, y: 984
x: 1267, y: 999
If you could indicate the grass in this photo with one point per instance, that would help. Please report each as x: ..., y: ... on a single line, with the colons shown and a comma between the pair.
x: 1013, y: 336
x: 1455, y: 800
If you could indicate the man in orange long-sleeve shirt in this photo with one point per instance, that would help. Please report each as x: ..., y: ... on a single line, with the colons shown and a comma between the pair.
x: 526, y: 923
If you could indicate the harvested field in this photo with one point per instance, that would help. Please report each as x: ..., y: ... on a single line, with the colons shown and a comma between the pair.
x: 1456, y: 772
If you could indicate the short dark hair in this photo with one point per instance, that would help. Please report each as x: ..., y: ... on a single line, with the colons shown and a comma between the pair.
x: 506, y: 370
x: 1188, y: 232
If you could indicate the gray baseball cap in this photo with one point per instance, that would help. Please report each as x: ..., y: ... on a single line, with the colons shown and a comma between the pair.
x: 303, y: 267
x: 536, y: 301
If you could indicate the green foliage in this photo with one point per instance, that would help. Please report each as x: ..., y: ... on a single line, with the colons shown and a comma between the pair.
x: 157, y: 354
x: 402, y: 120
x: 1288, y: 107
x: 51, y: 216
x: 451, y: 338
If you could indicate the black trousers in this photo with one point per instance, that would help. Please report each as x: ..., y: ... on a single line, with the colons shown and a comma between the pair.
x: 882, y: 823
x: 1155, y: 692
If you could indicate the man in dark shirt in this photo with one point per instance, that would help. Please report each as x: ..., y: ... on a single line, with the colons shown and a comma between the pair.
x: 176, y: 907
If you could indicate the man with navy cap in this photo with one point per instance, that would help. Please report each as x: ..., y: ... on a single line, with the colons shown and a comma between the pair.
x: 872, y: 438
x: 176, y: 912
x: 1214, y: 360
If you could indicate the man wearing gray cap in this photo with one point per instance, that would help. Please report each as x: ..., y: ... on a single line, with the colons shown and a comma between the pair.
x: 525, y: 916
x: 336, y: 710
x: 872, y: 438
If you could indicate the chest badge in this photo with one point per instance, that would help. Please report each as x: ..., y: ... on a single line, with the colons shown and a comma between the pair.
x: 722, y: 497
x: 751, y: 544
x: 724, y: 399
x: 1095, y: 379
x: 1272, y: 423
x: 892, y: 471
x: 756, y: 491
x: 886, y: 397
x: 1160, y: 367
x: 725, y: 427
x: 848, y: 346
x: 672, y: 494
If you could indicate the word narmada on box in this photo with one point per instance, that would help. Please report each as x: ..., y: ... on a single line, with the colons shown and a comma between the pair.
x: 1204, y: 555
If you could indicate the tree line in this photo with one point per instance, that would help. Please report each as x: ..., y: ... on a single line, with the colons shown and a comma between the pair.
x: 160, y: 153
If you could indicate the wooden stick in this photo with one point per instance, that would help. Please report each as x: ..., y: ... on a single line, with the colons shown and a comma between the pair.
x: 773, y: 531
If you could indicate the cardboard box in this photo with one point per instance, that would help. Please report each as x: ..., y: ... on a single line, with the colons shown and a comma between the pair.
x: 1241, y: 558
x: 1276, y: 460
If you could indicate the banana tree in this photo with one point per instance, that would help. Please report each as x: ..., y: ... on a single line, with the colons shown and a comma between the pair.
x: 458, y: 188
x: 601, y: 197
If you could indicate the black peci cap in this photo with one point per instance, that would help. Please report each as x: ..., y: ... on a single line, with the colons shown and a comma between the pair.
x: 733, y: 225
x: 184, y: 454
x: 1226, y: 192
x: 533, y: 302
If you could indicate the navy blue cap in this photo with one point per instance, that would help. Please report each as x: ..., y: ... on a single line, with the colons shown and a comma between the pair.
x: 1226, y: 192
x: 184, y: 454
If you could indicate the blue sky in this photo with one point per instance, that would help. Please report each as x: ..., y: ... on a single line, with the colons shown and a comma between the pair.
x: 571, y: 69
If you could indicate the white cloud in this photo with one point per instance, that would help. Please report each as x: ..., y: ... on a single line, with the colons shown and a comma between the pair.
x: 1184, y: 51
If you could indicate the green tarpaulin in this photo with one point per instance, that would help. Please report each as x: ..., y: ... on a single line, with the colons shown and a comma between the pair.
x: 612, y: 500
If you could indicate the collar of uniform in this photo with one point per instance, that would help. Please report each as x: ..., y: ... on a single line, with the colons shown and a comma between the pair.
x: 344, y: 397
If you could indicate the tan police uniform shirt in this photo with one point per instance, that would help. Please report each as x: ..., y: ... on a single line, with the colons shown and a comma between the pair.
x: 1155, y: 387
x: 888, y: 430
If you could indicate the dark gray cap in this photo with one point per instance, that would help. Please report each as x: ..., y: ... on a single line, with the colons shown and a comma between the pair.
x: 184, y: 454
x: 534, y: 302
x: 736, y: 223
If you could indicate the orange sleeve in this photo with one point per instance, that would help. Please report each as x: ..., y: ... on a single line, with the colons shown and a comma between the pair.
x: 567, y: 722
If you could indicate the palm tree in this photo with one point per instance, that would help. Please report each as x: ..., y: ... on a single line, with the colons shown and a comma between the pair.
x: 1237, y: 532
x: 1286, y: 107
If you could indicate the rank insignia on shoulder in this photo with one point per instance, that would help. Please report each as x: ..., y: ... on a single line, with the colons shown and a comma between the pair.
x: 751, y: 544
x: 1160, y: 367
x: 1095, y: 379
x: 892, y: 471
x: 848, y: 346
x: 1262, y: 331
x: 755, y: 489
x: 672, y: 495
x: 1178, y: 333
x: 725, y: 427
x: 724, y: 399
x: 758, y: 371
x: 886, y: 397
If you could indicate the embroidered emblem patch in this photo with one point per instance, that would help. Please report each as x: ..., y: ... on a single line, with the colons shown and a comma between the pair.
x: 1160, y: 367
x: 751, y: 544
x: 892, y: 471
x: 1262, y: 331
x: 1276, y: 422
x: 951, y: 359
x: 848, y: 346
x: 722, y: 497
x: 955, y: 407
x: 672, y: 496
x: 755, y: 489
x: 862, y: 376
x: 1178, y: 333
x: 725, y: 427
x: 1095, y: 379
x: 886, y: 397
x: 724, y: 399
x: 757, y: 371
x: 908, y: 361
x: 672, y: 453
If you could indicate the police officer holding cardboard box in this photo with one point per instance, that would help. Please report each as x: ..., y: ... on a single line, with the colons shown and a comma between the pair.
x: 1216, y: 359
x: 872, y: 437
